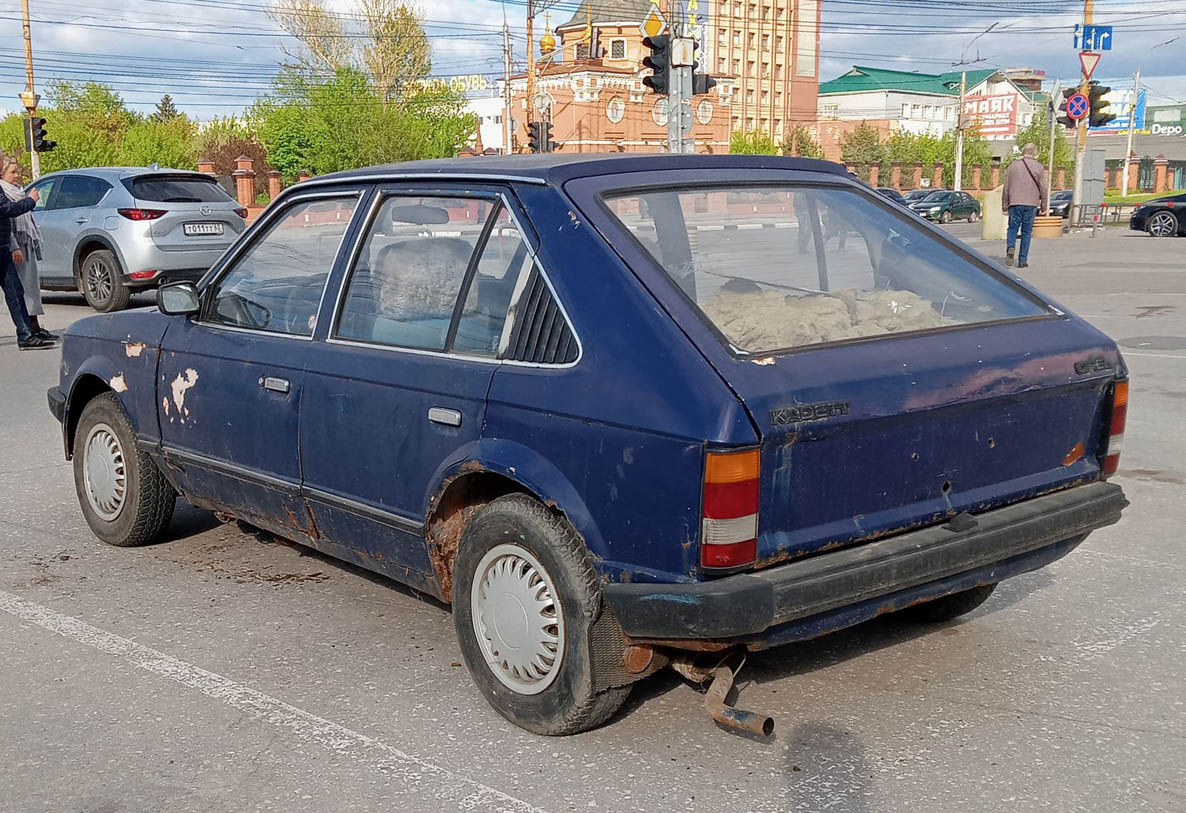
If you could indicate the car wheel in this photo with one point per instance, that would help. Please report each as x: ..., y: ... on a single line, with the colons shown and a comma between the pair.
x: 124, y: 497
x: 102, y: 282
x: 945, y: 217
x: 972, y: 218
x: 525, y: 596
x: 1163, y: 224
x: 949, y: 607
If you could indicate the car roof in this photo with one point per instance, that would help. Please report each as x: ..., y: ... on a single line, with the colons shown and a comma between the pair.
x: 557, y: 168
x: 118, y: 173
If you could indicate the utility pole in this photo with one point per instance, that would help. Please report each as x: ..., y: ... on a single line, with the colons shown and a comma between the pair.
x: 1081, y: 129
x: 679, y: 90
x: 959, y: 116
x: 1132, y: 125
x: 530, y: 61
x: 1053, y: 111
x: 29, y: 97
x: 507, y: 130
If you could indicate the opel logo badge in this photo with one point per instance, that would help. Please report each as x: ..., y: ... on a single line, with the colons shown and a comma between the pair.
x: 205, y: 210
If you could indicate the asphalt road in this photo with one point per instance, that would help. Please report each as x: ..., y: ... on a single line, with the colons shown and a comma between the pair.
x: 224, y: 670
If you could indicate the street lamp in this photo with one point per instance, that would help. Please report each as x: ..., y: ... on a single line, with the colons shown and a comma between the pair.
x: 1132, y: 112
x: 959, y: 130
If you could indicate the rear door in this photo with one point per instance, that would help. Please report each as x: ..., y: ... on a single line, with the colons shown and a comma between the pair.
x: 398, y: 391
x: 199, y: 215
x: 894, y: 382
x: 71, y: 212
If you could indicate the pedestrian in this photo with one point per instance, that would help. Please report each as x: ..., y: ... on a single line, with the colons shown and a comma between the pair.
x: 25, y: 244
x: 14, y: 292
x: 1025, y: 192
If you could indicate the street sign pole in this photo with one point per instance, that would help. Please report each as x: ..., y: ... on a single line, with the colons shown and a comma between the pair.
x: 1054, y: 94
x: 1081, y: 130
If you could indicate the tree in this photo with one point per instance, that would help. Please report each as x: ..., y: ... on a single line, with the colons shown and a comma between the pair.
x: 165, y: 110
x: 224, y: 140
x: 861, y: 145
x: 386, y: 42
x: 752, y: 143
x: 802, y: 142
x: 1038, y: 132
x: 168, y: 143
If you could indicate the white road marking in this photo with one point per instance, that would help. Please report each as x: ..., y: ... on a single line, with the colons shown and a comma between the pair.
x: 1127, y: 353
x: 414, y: 774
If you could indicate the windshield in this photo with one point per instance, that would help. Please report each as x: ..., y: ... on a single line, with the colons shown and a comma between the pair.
x: 937, y: 197
x: 1065, y: 195
x: 178, y: 189
x: 774, y: 268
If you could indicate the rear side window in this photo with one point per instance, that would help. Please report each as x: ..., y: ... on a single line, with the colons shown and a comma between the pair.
x: 177, y: 189
x: 775, y: 268
x: 80, y: 190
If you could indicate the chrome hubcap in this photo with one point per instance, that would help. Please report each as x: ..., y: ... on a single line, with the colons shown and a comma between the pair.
x: 1162, y: 225
x: 517, y: 619
x: 98, y: 281
x: 105, y: 472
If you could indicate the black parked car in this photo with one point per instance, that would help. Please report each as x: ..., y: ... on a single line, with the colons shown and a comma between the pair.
x: 892, y: 194
x: 1060, y: 202
x: 1161, y: 217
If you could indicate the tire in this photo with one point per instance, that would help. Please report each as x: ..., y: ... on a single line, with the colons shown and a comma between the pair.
x: 515, y: 543
x: 949, y: 607
x: 135, y: 512
x: 102, y: 282
x: 1163, y: 224
x: 972, y: 218
x: 945, y: 217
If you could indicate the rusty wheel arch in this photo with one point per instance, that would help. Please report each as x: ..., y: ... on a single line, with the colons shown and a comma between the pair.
x: 86, y: 389
x: 454, y: 505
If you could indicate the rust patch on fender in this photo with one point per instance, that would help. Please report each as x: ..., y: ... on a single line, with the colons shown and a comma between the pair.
x: 133, y: 349
x: 118, y: 384
x: 1074, y: 454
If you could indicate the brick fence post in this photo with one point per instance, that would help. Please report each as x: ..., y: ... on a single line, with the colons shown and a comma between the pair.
x: 244, y: 175
x: 1161, y: 167
x: 275, y: 183
x: 1134, y: 175
x: 937, y: 175
x: 995, y: 175
x: 206, y: 167
x: 917, y: 175
x: 896, y: 174
x: 1062, y: 178
x: 1111, y: 175
x: 874, y: 174
x: 303, y: 176
x: 977, y: 170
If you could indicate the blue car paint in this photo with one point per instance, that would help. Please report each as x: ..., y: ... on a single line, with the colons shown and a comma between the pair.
x: 616, y: 441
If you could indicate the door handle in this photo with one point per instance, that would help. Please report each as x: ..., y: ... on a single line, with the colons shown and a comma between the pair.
x: 81, y: 219
x: 448, y: 417
x: 271, y: 382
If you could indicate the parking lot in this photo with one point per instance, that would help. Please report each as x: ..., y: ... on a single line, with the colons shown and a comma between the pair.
x: 227, y: 670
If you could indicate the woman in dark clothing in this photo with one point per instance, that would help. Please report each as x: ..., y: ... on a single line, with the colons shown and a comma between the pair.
x: 14, y: 292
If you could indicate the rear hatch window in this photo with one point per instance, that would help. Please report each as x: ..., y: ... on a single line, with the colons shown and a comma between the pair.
x: 176, y: 189
x: 784, y: 267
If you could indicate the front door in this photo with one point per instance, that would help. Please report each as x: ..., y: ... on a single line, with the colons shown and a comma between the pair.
x: 397, y: 393
x: 58, y: 235
x: 230, y: 381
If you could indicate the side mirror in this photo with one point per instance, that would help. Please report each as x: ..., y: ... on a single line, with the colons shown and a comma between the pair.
x: 178, y: 299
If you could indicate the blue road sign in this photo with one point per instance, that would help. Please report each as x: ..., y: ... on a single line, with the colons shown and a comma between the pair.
x: 1093, y: 37
x: 1077, y: 106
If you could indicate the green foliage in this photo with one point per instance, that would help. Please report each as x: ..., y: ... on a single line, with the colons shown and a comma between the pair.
x: 343, y: 123
x: 89, y: 97
x: 1039, y: 133
x: 224, y: 140
x: 752, y: 143
x: 801, y: 141
x: 170, y: 143
x: 165, y: 109
x: 861, y: 145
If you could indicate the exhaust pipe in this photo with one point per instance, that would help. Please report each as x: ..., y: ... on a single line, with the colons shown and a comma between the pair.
x: 726, y: 715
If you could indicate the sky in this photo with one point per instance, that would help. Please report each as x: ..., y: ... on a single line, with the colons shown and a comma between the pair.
x: 215, y: 56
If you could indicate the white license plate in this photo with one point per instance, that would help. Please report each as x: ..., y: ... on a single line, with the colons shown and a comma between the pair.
x: 193, y: 229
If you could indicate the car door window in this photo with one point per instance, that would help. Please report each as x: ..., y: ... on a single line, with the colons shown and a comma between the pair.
x: 407, y: 279
x: 44, y: 189
x: 277, y: 283
x: 503, y: 261
x: 77, y: 191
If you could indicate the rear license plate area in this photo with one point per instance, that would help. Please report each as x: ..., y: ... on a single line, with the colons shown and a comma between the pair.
x: 200, y: 229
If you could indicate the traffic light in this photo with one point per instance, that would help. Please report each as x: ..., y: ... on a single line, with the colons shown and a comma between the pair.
x: 535, y: 141
x: 659, y: 61
x: 1099, y: 115
x: 1063, y: 118
x: 701, y: 82
x: 545, y: 134
x: 35, y: 140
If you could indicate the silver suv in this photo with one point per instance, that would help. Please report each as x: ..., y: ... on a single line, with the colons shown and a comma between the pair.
x: 111, y: 231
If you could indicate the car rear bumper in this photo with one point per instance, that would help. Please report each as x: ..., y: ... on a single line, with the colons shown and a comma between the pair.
x: 57, y: 403
x: 166, y: 276
x: 850, y: 585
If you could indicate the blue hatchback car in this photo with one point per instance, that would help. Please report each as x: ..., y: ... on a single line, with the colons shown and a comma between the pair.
x: 621, y: 413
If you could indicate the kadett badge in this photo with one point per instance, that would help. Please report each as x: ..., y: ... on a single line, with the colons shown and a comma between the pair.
x: 803, y: 413
x: 1095, y: 364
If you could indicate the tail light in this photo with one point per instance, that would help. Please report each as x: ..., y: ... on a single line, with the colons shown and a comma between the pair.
x: 142, y: 274
x: 729, y: 526
x: 142, y: 214
x: 1117, y: 418
x: 242, y: 212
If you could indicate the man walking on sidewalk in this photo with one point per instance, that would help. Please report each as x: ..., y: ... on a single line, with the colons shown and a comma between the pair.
x: 1025, y: 192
